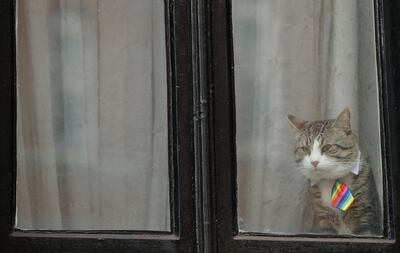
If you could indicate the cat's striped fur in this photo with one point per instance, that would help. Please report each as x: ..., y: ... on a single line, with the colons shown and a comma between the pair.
x: 334, y: 148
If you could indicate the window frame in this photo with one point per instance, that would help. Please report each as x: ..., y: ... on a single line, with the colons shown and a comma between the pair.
x: 228, y: 237
x: 182, y: 237
x: 201, y: 90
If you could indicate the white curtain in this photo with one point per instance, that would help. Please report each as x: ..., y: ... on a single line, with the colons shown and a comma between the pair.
x: 92, y: 115
x: 310, y: 58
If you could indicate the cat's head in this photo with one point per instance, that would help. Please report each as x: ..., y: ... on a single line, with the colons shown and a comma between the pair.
x: 325, y: 149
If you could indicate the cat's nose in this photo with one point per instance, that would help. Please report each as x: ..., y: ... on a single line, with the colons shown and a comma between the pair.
x: 314, y: 163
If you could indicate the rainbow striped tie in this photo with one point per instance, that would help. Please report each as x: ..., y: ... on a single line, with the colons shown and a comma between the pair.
x: 341, y: 196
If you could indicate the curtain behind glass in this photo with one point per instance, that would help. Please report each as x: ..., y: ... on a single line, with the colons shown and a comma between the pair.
x: 92, y: 115
x: 311, y: 59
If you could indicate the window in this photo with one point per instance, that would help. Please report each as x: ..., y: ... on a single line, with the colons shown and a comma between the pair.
x: 126, y: 123
x: 90, y: 152
x: 316, y: 60
x: 255, y: 73
x: 66, y: 69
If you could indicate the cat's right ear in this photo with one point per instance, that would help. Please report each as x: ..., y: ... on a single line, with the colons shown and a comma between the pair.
x: 296, y: 123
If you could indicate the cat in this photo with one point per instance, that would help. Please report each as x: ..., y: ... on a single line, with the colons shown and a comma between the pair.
x: 326, y: 152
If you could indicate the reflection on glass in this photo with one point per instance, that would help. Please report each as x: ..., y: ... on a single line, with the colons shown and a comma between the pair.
x: 319, y: 169
x: 92, y: 117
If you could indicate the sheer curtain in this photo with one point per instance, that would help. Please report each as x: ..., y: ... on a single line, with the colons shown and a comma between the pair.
x: 92, y: 118
x: 309, y: 58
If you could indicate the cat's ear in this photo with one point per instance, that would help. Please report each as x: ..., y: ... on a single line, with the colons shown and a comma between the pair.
x: 343, y: 121
x: 295, y: 122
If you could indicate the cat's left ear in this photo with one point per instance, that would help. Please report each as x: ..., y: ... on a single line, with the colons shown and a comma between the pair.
x: 295, y: 122
x: 343, y: 121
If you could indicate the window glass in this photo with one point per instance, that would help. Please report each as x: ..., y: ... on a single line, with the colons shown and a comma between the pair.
x: 307, y: 117
x: 92, y: 141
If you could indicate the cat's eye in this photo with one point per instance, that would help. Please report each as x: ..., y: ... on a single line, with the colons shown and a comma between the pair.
x: 326, y: 148
x: 306, y: 150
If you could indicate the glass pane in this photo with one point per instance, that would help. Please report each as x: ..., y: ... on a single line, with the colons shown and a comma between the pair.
x: 320, y: 170
x: 92, y: 115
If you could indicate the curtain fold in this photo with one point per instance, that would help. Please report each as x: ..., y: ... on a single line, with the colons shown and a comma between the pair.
x: 92, y: 115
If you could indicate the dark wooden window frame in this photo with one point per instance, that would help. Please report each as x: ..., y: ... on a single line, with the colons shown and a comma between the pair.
x: 202, y: 145
x: 184, y: 175
x: 223, y: 125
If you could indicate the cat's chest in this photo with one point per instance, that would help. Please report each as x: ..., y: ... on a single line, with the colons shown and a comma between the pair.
x: 325, y: 187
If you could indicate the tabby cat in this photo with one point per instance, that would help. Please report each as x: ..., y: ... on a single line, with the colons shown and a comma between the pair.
x: 327, y: 152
